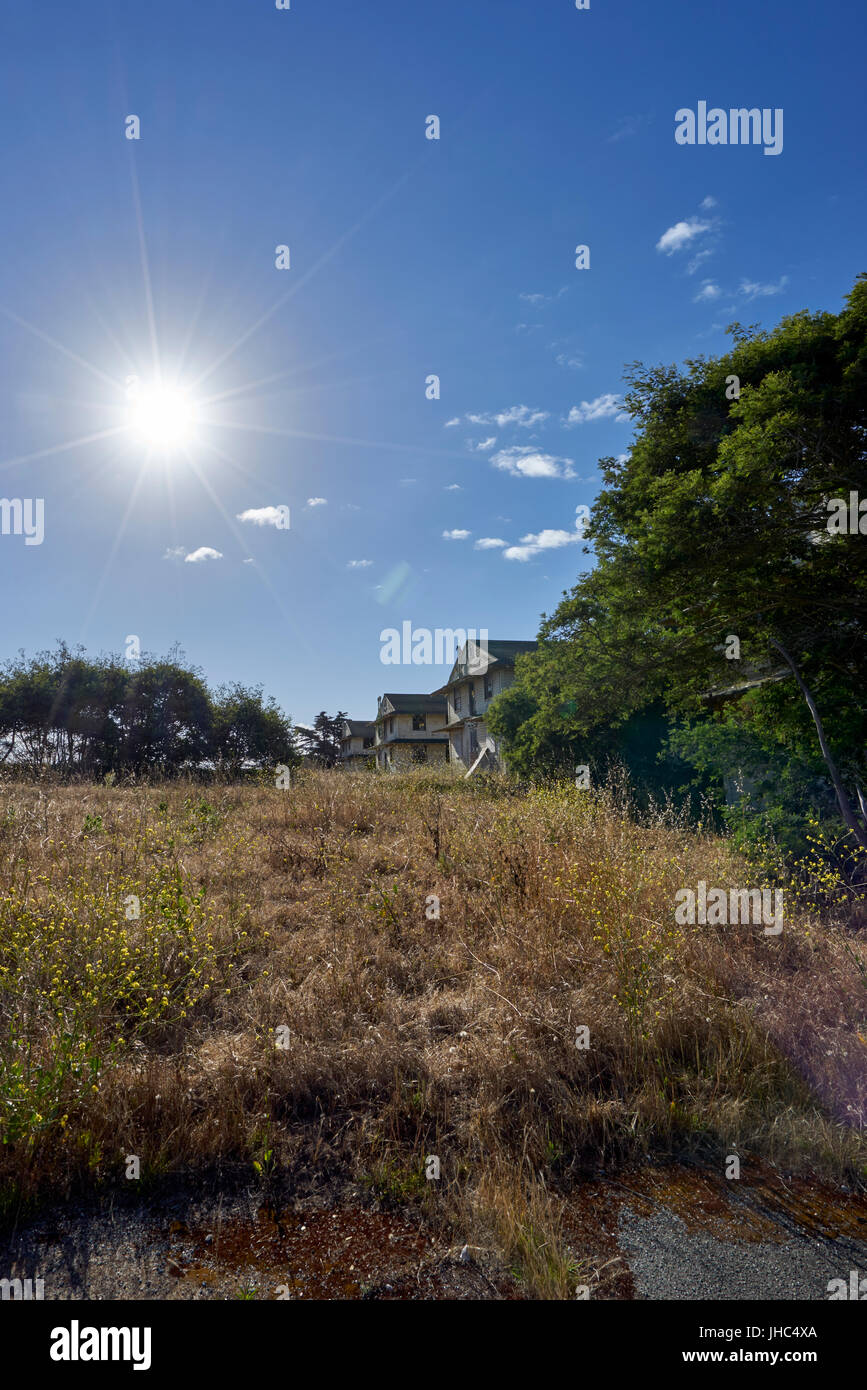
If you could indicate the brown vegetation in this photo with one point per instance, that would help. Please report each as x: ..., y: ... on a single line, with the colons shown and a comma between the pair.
x: 262, y: 909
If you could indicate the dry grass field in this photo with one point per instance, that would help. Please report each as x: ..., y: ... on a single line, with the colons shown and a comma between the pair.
x: 157, y: 943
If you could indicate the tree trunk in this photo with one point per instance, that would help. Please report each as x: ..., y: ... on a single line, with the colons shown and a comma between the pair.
x: 842, y: 798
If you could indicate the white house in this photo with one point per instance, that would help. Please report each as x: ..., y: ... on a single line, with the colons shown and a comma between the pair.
x: 481, y: 672
x: 357, y: 743
x: 410, y: 729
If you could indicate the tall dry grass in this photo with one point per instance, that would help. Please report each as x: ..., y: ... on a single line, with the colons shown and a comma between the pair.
x: 261, y: 909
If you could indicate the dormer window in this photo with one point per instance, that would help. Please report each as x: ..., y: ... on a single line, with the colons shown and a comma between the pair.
x: 419, y: 723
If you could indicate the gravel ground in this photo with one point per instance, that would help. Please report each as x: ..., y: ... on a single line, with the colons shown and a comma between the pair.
x: 667, y: 1260
x: 242, y: 1249
x: 652, y: 1233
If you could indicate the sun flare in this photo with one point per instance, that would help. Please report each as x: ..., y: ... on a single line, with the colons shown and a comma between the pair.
x: 161, y: 416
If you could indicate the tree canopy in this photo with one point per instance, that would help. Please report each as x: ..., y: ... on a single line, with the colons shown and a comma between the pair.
x: 722, y: 592
x: 64, y: 711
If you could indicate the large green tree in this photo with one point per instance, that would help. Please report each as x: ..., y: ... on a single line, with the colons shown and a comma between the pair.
x: 74, y: 714
x: 719, y: 588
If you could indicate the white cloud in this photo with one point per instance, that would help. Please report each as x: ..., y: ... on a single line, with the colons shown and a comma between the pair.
x: 681, y: 234
x: 456, y: 535
x: 523, y: 462
x: 204, y: 552
x: 490, y: 543
x: 454, y: 487
x: 455, y: 421
x: 545, y: 298
x: 607, y: 407
x: 359, y: 564
x: 697, y: 260
x: 534, y: 544
x: 175, y: 552
x: 564, y: 360
x: 317, y: 501
x: 514, y: 415
x: 709, y: 290
x: 707, y: 203
x: 262, y: 516
x: 485, y: 445
x: 753, y: 290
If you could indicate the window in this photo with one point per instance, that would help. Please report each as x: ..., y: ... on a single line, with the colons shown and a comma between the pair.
x: 419, y: 722
x: 419, y: 755
x: 457, y: 701
x: 489, y: 687
x: 368, y: 741
x: 391, y: 726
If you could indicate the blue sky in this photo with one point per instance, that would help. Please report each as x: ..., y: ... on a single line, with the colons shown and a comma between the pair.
x: 408, y: 257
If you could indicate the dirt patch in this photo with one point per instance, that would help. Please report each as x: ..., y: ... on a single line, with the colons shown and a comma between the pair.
x: 246, y: 1249
x: 646, y: 1232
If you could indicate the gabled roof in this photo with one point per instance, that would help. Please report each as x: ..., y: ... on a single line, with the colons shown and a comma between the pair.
x: 413, y: 704
x: 358, y: 728
x: 500, y: 654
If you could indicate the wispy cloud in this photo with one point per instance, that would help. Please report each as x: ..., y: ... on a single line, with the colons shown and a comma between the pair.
x: 359, y: 564
x: 545, y: 298
x: 456, y: 535
x: 697, y: 260
x: 682, y: 234
x: 747, y: 290
x: 454, y: 487
x: 484, y: 446
x: 535, y: 543
x: 490, y: 543
x: 707, y: 203
x: 520, y: 415
x: 751, y: 289
x: 451, y: 423
x: 175, y: 552
x: 317, y: 501
x: 607, y: 407
x: 709, y: 290
x: 263, y: 516
x: 524, y: 462
x: 204, y: 552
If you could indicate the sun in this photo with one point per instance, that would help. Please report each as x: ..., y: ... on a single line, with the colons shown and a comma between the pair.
x: 162, y: 416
